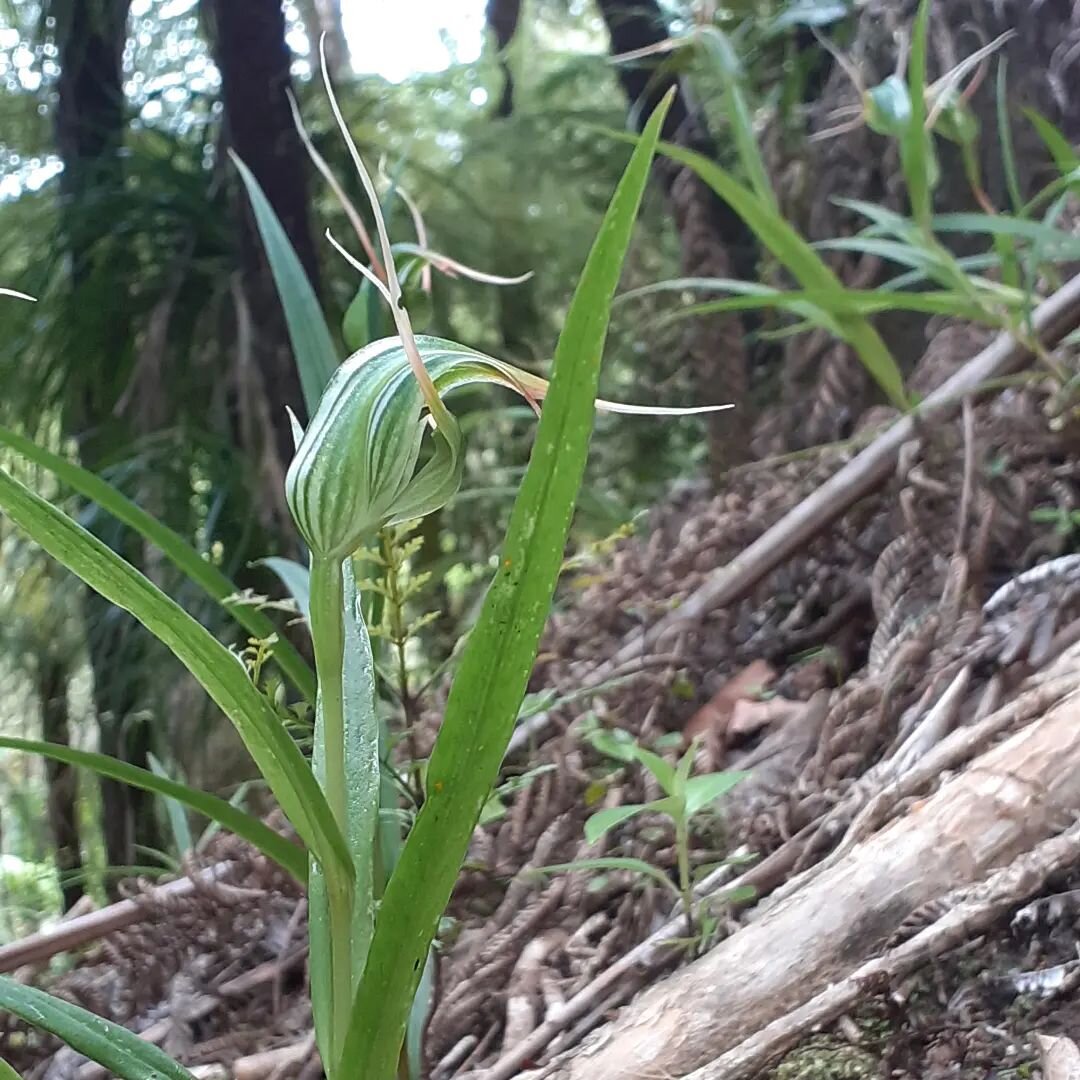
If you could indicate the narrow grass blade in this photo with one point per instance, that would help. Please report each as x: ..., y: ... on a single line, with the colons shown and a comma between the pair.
x: 802, y: 261
x: 1005, y: 138
x: 1057, y: 243
x: 273, y: 845
x: 869, y: 302
x: 173, y: 546
x: 614, y: 862
x: 219, y: 671
x: 498, y: 658
x: 313, y: 347
x: 726, y: 60
x: 119, y: 1050
x: 295, y: 577
x: 1064, y: 154
x: 178, y: 821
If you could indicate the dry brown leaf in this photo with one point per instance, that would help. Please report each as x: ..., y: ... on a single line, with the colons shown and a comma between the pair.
x: 748, y: 717
x: 713, y: 718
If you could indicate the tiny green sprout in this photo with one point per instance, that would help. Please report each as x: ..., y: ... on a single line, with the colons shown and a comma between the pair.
x: 684, y: 797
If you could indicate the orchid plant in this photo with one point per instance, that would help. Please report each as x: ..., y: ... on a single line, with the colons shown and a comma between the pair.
x: 373, y: 913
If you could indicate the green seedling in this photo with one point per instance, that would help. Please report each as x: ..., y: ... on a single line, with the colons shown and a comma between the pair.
x: 685, y: 797
x: 1066, y: 521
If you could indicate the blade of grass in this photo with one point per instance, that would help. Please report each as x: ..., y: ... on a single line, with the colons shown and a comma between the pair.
x: 313, y: 347
x: 1008, y: 149
x: 220, y: 672
x: 121, y: 1051
x: 804, y: 263
x: 719, y: 46
x: 498, y: 658
x: 174, y: 547
x: 613, y: 862
x: 273, y: 845
x: 174, y: 808
x: 1064, y: 154
x: 856, y: 302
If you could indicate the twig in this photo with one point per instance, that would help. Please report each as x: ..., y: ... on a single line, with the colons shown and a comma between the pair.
x: 1002, y: 891
x: 37, y: 948
x: 274, y: 1063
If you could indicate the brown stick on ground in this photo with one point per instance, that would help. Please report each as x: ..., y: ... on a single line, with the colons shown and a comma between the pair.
x: 1011, y: 798
x: 37, y: 948
x: 1053, y: 319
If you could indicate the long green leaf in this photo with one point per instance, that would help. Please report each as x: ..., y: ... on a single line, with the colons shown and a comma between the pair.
x: 1005, y: 138
x: 7, y: 1072
x: 719, y: 46
x: 178, y: 821
x: 272, y: 844
x: 362, y: 783
x: 121, y: 1051
x: 615, y: 862
x: 498, y: 658
x: 1058, y: 242
x: 861, y: 302
x: 173, y: 546
x: 313, y: 347
x: 219, y: 671
x: 1064, y: 154
x: 802, y: 261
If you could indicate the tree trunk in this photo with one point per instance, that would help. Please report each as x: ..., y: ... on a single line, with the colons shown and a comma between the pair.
x: 714, y: 240
x: 254, y: 62
x: 518, y: 316
x: 502, y: 19
x: 61, y: 779
x: 90, y: 116
x: 324, y: 17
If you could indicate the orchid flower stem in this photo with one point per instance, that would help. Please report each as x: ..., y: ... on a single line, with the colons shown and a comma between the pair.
x: 328, y: 638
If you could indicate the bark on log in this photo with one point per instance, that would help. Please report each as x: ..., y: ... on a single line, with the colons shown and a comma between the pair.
x: 1011, y: 798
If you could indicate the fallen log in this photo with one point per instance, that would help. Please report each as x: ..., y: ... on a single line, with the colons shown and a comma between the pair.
x: 1008, y: 800
x: 969, y: 916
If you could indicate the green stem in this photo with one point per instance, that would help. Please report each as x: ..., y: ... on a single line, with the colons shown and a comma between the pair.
x: 682, y: 846
x: 328, y: 638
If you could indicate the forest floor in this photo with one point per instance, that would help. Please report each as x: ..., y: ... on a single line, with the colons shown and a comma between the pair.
x: 922, y: 621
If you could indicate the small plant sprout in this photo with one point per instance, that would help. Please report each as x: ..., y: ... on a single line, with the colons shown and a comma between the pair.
x: 684, y: 797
